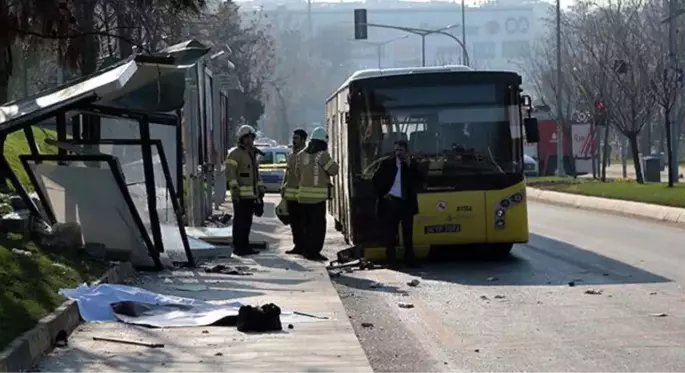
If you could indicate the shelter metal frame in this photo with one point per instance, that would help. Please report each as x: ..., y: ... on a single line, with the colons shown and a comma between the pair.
x: 113, y: 164
x: 144, y: 119
x: 167, y: 176
x: 85, y: 106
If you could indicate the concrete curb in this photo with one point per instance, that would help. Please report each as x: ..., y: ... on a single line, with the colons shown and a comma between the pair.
x: 27, y: 350
x: 664, y: 214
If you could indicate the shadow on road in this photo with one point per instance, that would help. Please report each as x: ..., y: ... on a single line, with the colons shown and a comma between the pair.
x: 543, y: 261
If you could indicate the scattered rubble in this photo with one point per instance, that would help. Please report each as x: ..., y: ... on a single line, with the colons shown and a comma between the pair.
x: 127, y: 342
x: 658, y: 314
x: 413, y: 283
x: 572, y: 284
x: 367, y: 325
x: 218, y: 354
x: 375, y: 285
x: 228, y: 270
x: 499, y: 296
x: 593, y: 292
x: 310, y: 315
x: 405, y: 305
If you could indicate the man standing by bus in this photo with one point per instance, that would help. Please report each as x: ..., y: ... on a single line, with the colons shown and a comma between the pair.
x: 396, y: 183
x: 289, y: 193
x: 314, y: 168
x: 246, y: 186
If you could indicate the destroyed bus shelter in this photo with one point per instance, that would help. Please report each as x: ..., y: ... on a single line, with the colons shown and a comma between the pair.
x: 117, y: 205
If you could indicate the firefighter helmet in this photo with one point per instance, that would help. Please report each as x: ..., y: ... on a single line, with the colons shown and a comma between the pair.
x: 282, y: 212
x: 245, y: 130
x: 320, y: 134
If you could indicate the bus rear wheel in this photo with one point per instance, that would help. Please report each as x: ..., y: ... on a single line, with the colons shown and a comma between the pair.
x: 500, y: 250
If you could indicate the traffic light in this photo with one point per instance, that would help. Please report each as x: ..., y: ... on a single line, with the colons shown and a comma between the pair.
x: 600, y: 112
x: 360, y: 27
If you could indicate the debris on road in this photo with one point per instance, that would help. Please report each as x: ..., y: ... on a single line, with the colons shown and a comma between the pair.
x: 367, y: 325
x: 218, y: 354
x: 290, y: 326
x: 375, y: 285
x: 476, y: 350
x: 658, y: 314
x: 653, y: 293
x: 205, y: 332
x: 572, y: 284
x: 593, y: 292
x: 413, y: 283
x: 134, y: 343
x: 484, y: 297
x: 492, y: 278
x: 499, y: 296
x: 310, y: 315
x: 228, y: 270
x: 405, y: 305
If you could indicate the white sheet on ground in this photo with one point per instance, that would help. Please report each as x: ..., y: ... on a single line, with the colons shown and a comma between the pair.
x: 94, y: 304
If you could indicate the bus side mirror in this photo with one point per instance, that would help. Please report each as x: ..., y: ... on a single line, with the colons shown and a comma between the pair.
x: 532, y: 131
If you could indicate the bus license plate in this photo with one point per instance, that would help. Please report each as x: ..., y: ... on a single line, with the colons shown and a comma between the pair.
x: 445, y: 228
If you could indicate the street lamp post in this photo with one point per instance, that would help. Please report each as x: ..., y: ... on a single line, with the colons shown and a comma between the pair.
x: 423, y: 33
x: 463, y: 28
x: 560, y: 119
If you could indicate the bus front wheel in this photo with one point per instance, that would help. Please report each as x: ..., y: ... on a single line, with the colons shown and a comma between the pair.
x: 501, y: 250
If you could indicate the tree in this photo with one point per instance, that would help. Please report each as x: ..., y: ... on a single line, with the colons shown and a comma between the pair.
x: 306, y: 73
x: 614, y: 52
x: 77, y: 26
x: 251, y: 48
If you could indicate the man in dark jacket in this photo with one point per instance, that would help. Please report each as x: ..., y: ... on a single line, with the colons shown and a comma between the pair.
x: 396, y: 182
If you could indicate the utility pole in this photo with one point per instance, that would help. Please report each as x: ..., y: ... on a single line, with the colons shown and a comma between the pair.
x: 560, y: 113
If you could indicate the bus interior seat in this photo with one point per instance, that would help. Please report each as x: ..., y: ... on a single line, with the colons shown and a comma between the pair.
x: 422, y: 141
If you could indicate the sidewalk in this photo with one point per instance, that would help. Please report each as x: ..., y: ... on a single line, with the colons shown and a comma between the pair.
x: 293, y: 284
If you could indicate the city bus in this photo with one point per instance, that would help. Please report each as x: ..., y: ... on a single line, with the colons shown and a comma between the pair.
x: 465, y: 130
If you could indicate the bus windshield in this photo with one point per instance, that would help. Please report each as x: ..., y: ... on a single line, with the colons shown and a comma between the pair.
x: 452, y: 130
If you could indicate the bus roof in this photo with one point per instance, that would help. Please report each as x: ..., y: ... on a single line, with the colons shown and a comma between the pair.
x: 375, y: 73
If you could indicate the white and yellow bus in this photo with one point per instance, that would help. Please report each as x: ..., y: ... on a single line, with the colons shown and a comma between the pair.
x: 464, y: 128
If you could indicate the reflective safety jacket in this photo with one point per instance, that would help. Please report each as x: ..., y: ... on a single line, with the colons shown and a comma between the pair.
x: 242, y: 172
x: 314, y: 171
x: 290, y: 180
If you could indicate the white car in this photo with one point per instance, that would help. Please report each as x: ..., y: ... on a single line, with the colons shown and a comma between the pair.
x: 530, y: 166
x: 272, y: 165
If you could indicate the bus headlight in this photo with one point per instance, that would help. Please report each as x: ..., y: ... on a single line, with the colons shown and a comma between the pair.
x: 499, y: 224
x: 499, y: 213
x: 517, y: 198
x: 504, y: 203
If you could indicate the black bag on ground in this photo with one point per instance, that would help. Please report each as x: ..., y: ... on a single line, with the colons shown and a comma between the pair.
x: 266, y: 318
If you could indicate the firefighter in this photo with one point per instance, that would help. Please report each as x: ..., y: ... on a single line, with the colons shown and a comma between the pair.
x: 246, y: 187
x: 289, y: 193
x: 314, y: 168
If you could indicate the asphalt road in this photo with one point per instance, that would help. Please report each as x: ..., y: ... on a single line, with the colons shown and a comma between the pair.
x: 521, y: 314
